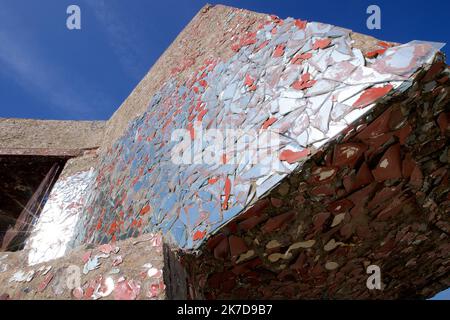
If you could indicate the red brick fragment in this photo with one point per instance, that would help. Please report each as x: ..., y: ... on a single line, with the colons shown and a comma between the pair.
x: 340, y: 206
x: 434, y: 70
x: 277, y: 203
x: 322, y: 174
x: 277, y: 222
x: 363, y: 177
x: 360, y: 197
x: 323, y: 190
x: 416, y: 179
x: 385, y: 194
x: 396, y: 118
x: 237, y: 246
x: 346, y: 231
x: 222, y: 249
x: 256, y: 210
x: 348, y: 154
x: 393, y: 208
x: 389, y: 166
x: 403, y: 133
x: 443, y: 121
x: 246, y: 266
x: 320, y: 219
x: 214, y: 241
x: 251, y: 222
x: 375, y: 129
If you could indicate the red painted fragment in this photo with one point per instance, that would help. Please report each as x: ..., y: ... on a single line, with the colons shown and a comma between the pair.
x: 43, y: 285
x: 262, y: 45
x: 86, y: 256
x: 305, y: 82
x: 299, y: 58
x: 227, y: 193
x: 213, y: 180
x: 202, y: 114
x: 190, y: 127
x: 199, y: 235
x: 321, y: 44
x: 235, y: 47
x: 145, y: 210
x: 384, y: 44
x: 292, y: 156
x: 375, y: 53
x: 371, y: 95
x: 300, y: 24
x: 279, y: 51
x: 269, y: 122
x: 249, y: 81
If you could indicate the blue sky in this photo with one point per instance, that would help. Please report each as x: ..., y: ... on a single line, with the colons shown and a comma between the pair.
x: 50, y: 72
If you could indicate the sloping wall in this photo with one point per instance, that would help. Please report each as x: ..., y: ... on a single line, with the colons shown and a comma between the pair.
x: 290, y: 88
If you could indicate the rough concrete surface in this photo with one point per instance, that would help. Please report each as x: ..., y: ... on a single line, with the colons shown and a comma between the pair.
x: 50, y: 134
x: 139, y: 261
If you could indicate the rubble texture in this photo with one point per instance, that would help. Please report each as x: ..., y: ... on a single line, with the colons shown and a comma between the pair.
x: 129, y: 270
x: 384, y: 201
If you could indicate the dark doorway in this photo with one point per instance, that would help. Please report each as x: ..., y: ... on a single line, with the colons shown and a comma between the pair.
x: 25, y: 183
